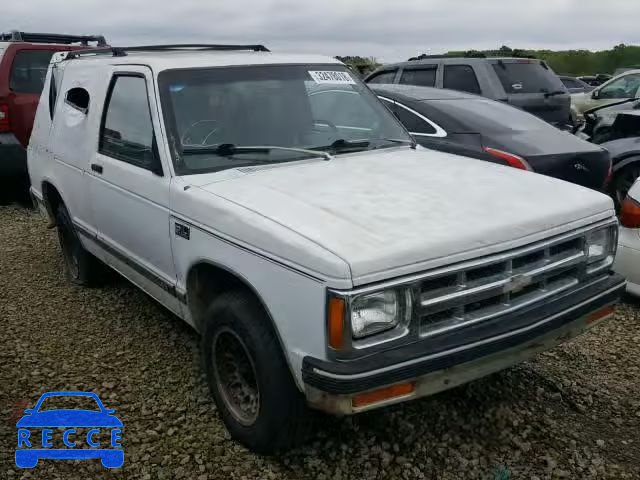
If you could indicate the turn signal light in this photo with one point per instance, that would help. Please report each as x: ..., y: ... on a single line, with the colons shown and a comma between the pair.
x: 4, y: 118
x: 630, y: 213
x: 512, y: 160
x: 376, y: 396
x: 336, y: 323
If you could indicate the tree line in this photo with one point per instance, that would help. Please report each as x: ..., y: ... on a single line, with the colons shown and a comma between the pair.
x: 568, y: 62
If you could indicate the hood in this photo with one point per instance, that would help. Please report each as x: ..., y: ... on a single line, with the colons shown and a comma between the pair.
x: 399, y: 211
x: 69, y: 418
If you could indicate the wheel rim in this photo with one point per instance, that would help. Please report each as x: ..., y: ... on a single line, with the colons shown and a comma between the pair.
x: 625, y: 182
x: 69, y: 244
x: 235, y: 376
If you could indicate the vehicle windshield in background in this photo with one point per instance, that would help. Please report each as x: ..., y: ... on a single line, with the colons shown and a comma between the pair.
x: 214, y: 115
x: 527, y: 76
x: 29, y: 71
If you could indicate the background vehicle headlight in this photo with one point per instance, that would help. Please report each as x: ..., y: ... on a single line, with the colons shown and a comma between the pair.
x: 377, y: 312
x: 601, y: 244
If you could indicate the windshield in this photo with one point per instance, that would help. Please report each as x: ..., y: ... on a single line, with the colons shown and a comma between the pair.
x: 527, y: 76
x: 76, y: 402
x: 304, y: 111
x: 486, y: 116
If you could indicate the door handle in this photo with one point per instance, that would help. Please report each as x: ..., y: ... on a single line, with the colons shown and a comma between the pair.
x: 96, y: 168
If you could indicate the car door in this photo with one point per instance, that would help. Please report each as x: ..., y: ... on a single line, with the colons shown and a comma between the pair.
x: 130, y: 186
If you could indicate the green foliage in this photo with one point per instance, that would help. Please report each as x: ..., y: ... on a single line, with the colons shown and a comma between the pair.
x: 361, y: 65
x: 569, y: 62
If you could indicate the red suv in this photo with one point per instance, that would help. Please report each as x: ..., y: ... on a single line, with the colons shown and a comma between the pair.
x: 24, y: 59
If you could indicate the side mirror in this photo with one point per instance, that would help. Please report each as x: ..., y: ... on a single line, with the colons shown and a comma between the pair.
x: 109, y: 411
x: 595, y: 94
x: 30, y: 410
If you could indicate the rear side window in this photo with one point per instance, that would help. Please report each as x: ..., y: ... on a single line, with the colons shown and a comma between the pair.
x: 526, y: 77
x: 383, y: 77
x: 461, y: 78
x: 127, y: 130
x: 424, y: 77
x: 413, y: 123
x: 29, y: 70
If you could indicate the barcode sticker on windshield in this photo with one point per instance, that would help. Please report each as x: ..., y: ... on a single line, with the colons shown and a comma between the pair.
x: 340, y: 78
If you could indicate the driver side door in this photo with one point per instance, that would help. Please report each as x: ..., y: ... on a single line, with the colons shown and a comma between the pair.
x: 129, y: 187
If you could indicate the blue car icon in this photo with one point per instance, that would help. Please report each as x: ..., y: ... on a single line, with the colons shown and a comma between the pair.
x: 33, y: 447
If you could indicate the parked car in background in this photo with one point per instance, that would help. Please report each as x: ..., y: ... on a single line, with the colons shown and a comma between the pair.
x: 327, y: 260
x: 595, y: 80
x: 575, y: 85
x: 612, y: 121
x: 524, y: 83
x: 24, y: 59
x: 619, y: 88
x: 477, y: 127
x: 627, y: 261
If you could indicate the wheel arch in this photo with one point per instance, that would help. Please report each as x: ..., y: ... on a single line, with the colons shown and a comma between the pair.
x: 52, y: 199
x: 624, y: 160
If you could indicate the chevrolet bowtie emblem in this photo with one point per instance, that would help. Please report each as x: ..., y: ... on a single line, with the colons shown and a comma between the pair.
x: 517, y: 283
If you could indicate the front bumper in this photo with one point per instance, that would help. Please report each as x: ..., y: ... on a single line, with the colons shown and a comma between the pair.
x: 332, y: 385
x: 13, y: 156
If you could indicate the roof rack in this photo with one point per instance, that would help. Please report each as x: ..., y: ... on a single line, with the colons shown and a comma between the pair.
x: 16, y: 36
x: 122, y: 51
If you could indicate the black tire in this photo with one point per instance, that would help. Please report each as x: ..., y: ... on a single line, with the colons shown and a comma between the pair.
x: 622, y: 182
x: 275, y: 417
x: 80, y: 267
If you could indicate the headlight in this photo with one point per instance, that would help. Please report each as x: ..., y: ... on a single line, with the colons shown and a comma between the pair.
x: 376, y: 312
x: 601, y: 243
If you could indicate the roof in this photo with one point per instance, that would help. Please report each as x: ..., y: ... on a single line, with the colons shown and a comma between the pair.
x: 456, y: 60
x: 422, y: 93
x: 175, y: 59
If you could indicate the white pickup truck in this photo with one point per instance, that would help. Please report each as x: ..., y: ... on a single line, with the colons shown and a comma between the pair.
x: 273, y: 203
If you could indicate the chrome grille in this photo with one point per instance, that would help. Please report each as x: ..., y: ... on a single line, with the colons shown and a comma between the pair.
x: 501, y: 284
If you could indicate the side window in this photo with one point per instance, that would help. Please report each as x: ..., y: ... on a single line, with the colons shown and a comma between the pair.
x: 624, y: 87
x: 411, y: 121
x: 424, y: 77
x: 461, y: 77
x: 78, y: 98
x: 29, y: 71
x: 383, y: 77
x: 54, y: 87
x: 127, y: 130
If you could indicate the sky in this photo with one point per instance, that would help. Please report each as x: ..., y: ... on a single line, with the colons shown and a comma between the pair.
x: 384, y: 29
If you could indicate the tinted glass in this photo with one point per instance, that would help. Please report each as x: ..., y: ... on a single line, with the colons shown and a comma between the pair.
x: 424, y: 77
x: 527, y: 77
x: 411, y: 121
x: 384, y: 77
x: 623, y: 87
x: 127, y: 133
x: 571, y: 83
x: 485, y: 116
x: 29, y: 70
x: 285, y: 106
x: 461, y: 77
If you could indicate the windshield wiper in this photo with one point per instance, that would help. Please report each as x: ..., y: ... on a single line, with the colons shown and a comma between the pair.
x: 411, y: 143
x: 342, y: 145
x: 229, y: 149
x: 554, y: 93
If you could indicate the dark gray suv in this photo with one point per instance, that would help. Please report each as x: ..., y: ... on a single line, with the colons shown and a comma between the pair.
x: 529, y: 84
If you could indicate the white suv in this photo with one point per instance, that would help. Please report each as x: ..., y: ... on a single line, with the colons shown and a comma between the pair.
x: 273, y: 203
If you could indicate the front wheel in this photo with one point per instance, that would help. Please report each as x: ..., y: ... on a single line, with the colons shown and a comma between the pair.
x: 249, y: 378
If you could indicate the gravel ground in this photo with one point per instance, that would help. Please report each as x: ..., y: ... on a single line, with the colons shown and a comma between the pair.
x: 573, y: 412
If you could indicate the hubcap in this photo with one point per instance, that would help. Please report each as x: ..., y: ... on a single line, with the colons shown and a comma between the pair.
x: 235, y: 376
